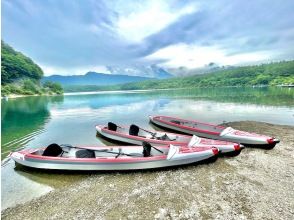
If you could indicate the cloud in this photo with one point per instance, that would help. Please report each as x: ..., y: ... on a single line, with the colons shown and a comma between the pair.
x: 63, y: 33
x: 193, y: 56
x: 140, y: 21
x: 236, y: 31
x: 71, y: 36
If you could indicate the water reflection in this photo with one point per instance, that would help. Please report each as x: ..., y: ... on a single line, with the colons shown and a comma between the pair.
x: 39, y: 121
x: 22, y: 119
x: 261, y: 96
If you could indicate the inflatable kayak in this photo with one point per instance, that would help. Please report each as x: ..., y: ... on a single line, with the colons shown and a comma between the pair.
x: 66, y: 157
x: 214, y: 131
x: 135, y: 135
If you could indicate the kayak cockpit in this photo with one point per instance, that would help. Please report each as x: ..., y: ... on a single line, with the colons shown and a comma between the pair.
x: 68, y: 151
x: 135, y: 130
x: 193, y: 124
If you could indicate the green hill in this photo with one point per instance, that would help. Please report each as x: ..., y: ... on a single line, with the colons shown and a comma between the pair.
x: 280, y: 73
x: 266, y: 74
x: 21, y: 76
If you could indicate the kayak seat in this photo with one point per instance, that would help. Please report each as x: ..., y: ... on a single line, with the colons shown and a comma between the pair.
x: 165, y: 138
x: 85, y: 154
x: 176, y: 122
x: 53, y: 150
x: 111, y: 126
x: 146, y: 149
x: 134, y: 130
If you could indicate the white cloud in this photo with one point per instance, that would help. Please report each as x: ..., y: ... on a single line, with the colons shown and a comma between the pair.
x: 193, y: 56
x: 80, y: 36
x: 148, y: 18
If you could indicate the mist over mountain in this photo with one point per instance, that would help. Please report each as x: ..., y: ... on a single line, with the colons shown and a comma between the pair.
x: 211, y: 67
x: 151, y: 71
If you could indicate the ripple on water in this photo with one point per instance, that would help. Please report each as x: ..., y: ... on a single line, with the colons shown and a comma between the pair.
x: 18, y: 143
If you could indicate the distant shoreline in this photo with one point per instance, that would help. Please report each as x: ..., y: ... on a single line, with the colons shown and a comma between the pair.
x: 172, y: 88
x: 14, y: 96
x: 118, y: 91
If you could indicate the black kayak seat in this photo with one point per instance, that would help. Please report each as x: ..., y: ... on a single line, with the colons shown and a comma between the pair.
x: 85, y: 153
x: 165, y: 137
x: 146, y: 149
x: 111, y: 126
x: 176, y: 122
x: 53, y: 150
x: 134, y: 130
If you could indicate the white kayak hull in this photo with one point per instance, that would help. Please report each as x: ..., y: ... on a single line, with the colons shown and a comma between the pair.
x: 213, y: 131
x: 176, y: 139
x: 31, y: 158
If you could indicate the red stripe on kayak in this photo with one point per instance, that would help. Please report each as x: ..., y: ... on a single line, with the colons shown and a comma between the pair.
x: 194, y: 149
x: 214, y: 142
x: 186, y: 127
x: 98, y: 160
x: 248, y: 134
x: 115, y: 146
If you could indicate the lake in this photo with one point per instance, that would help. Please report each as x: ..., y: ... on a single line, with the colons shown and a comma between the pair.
x: 40, y: 121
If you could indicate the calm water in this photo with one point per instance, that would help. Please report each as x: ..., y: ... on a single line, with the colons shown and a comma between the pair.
x: 39, y: 121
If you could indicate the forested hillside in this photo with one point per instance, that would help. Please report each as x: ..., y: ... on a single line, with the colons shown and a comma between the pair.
x: 21, y: 76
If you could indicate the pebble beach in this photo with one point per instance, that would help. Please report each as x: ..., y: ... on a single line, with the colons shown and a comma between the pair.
x: 257, y: 184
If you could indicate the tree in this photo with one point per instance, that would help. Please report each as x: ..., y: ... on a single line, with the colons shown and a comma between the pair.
x: 16, y: 66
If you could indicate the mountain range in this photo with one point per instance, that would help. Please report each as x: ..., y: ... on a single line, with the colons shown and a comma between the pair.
x: 93, y: 78
x: 128, y: 75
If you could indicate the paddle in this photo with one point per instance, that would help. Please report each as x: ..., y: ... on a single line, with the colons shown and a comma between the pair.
x: 120, y: 153
x: 152, y: 133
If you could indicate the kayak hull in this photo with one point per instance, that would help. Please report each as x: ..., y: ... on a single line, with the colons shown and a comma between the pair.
x: 106, y: 167
x: 28, y: 159
x: 221, y: 133
x: 223, y: 146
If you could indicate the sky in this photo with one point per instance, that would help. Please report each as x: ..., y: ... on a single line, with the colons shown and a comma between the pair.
x: 70, y: 37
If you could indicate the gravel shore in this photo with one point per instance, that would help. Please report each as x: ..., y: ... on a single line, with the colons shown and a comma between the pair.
x: 257, y: 184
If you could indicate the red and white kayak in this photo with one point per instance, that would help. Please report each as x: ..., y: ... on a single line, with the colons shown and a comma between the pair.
x: 213, y: 131
x: 66, y: 157
x: 136, y: 135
